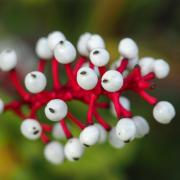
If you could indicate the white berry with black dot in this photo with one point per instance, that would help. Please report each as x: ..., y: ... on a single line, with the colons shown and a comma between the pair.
x: 114, y: 140
x: 65, y: 52
x: 82, y: 44
x: 164, y: 112
x: 142, y: 126
x: 126, y: 129
x: 8, y: 60
x: 73, y: 149
x: 95, y: 41
x: 89, y: 135
x: 42, y: 49
x: 112, y: 81
x: 161, y: 68
x: 87, y: 78
x: 128, y: 48
x: 56, y: 110
x: 54, y: 152
x: 31, y: 129
x: 35, y: 82
x: 54, y: 38
x: 99, y: 57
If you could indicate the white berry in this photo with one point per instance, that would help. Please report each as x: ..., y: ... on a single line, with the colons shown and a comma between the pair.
x: 95, y: 41
x: 54, y: 38
x: 73, y: 149
x: 35, y: 82
x: 147, y: 65
x: 8, y: 60
x: 56, y: 110
x: 164, y: 112
x: 128, y: 48
x: 87, y: 78
x: 96, y: 70
x: 124, y: 102
x: 42, y: 49
x: 58, y: 132
x: 99, y: 57
x: 54, y: 153
x: 89, y: 136
x: 114, y: 140
x: 142, y: 126
x: 112, y: 81
x: 102, y: 133
x: 82, y: 44
x: 161, y: 68
x: 1, y: 106
x: 31, y: 129
x: 126, y: 129
x: 65, y: 52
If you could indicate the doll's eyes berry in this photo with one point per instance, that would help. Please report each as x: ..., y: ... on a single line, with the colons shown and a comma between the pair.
x: 35, y: 82
x: 128, y: 48
x: 89, y: 136
x: 112, y: 81
x: 82, y: 44
x: 43, y: 50
x: 73, y: 149
x: 65, y: 52
x: 99, y: 57
x: 31, y: 129
x: 54, y: 152
x: 87, y: 78
x: 164, y: 112
x: 56, y: 110
x: 8, y: 60
x: 126, y: 129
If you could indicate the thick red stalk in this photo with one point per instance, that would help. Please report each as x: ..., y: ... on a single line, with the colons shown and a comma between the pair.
x: 75, y: 120
x: 65, y: 129
x: 55, y: 74
x: 41, y: 65
x: 19, y: 88
x: 101, y: 121
x: 123, y: 65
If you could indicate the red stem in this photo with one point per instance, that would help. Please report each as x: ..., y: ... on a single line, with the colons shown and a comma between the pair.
x: 102, y: 121
x: 55, y: 74
x: 90, y: 109
x: 70, y: 75
x: 41, y: 65
x: 150, y: 99
x: 149, y: 76
x: 44, y: 138
x: 123, y: 65
x: 65, y: 129
x: 76, y: 121
x: 19, y: 88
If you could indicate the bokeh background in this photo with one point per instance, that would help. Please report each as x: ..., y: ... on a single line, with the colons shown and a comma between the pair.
x: 155, y: 25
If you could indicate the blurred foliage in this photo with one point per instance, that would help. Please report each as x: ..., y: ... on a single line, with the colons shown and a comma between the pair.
x: 155, y: 24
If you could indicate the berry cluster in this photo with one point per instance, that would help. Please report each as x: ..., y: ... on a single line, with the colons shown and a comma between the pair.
x: 88, y: 79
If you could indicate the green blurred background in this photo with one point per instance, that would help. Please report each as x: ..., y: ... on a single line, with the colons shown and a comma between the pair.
x: 155, y: 25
